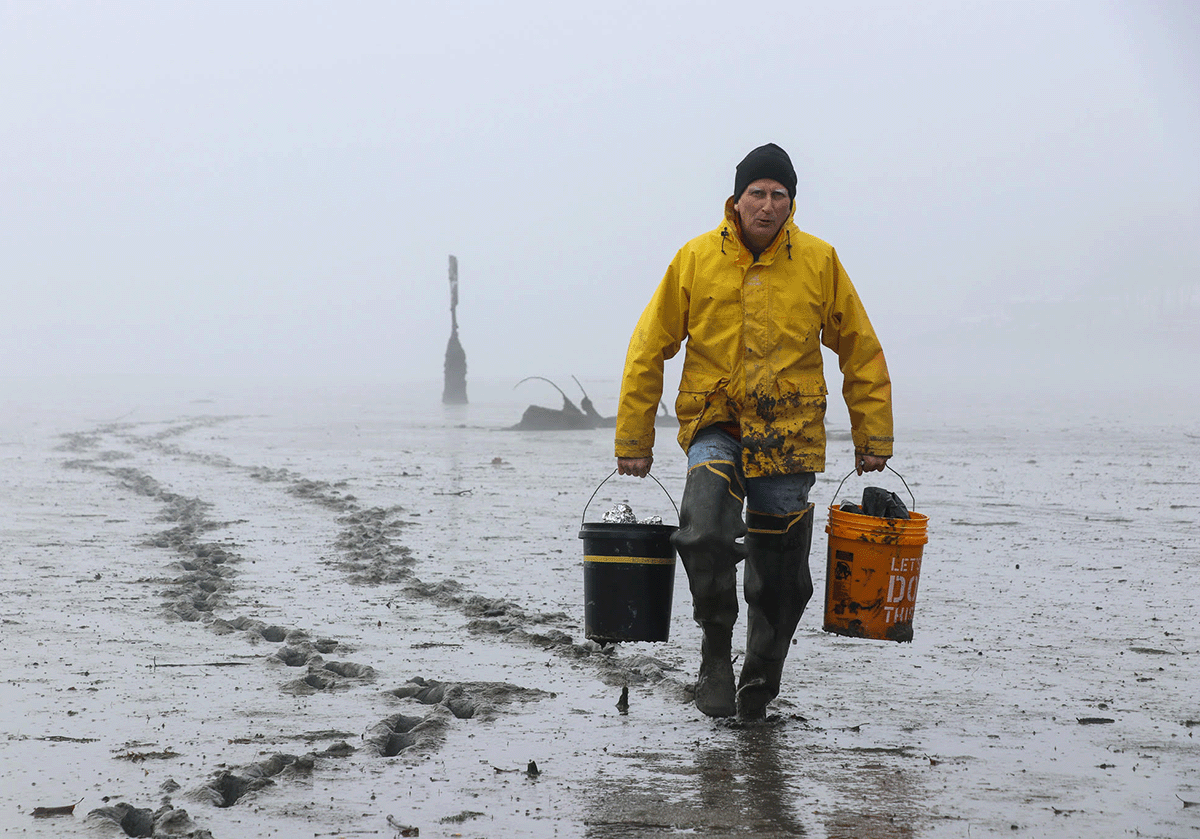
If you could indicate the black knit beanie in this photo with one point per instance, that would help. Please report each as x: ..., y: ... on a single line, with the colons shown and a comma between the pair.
x: 767, y: 161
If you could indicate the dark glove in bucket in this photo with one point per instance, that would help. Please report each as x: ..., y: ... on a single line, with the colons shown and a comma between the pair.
x: 878, y: 502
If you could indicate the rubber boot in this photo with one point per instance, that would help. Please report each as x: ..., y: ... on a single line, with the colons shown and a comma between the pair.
x: 710, y: 523
x: 778, y: 586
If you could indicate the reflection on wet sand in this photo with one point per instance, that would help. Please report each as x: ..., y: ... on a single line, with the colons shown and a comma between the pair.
x: 747, y: 780
x: 735, y: 784
x: 761, y: 781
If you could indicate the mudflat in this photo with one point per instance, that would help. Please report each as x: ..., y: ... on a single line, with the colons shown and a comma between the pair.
x: 318, y: 614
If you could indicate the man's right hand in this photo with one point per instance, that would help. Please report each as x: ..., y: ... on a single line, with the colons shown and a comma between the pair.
x: 869, y: 463
x: 639, y: 467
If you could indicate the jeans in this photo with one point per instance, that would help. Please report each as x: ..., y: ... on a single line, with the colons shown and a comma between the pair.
x: 776, y: 495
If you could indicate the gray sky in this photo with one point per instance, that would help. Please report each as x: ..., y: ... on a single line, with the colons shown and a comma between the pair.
x: 271, y: 188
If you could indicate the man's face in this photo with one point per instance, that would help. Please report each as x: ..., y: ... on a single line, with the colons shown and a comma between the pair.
x: 762, y: 209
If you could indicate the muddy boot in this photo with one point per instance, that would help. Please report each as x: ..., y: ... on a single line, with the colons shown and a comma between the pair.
x: 710, y: 522
x: 778, y: 586
x: 758, y: 685
x: 715, y: 693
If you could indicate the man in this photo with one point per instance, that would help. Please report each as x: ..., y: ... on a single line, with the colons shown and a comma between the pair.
x: 754, y: 299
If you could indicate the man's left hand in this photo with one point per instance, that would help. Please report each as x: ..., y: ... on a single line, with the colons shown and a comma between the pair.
x: 869, y: 463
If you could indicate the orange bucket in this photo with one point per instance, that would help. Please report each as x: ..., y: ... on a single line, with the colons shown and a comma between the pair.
x: 871, y: 577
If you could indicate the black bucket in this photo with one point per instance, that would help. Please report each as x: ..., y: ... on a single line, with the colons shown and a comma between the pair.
x: 628, y: 579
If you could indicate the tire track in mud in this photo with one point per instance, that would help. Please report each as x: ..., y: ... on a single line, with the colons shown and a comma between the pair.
x: 207, y: 570
x: 369, y: 554
x: 368, y: 549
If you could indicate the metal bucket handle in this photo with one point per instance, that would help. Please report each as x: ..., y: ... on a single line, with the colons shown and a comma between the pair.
x: 890, y: 469
x: 583, y: 517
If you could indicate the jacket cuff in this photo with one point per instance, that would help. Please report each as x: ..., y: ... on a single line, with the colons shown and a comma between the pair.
x: 630, y: 448
x: 875, y: 446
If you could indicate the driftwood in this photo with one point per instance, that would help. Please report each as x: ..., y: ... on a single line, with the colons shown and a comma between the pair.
x: 590, y: 410
x: 567, y: 418
x: 51, y: 812
x: 571, y: 417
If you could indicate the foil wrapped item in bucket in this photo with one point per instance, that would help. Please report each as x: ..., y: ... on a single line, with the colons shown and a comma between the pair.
x: 623, y: 514
x: 620, y: 514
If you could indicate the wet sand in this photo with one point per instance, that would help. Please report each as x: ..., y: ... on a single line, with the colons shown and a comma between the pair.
x: 318, y: 615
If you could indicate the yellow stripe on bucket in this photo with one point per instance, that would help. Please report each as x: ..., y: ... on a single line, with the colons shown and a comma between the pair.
x: 633, y: 560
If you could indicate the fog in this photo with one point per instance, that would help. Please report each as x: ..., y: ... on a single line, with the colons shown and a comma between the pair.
x: 270, y: 191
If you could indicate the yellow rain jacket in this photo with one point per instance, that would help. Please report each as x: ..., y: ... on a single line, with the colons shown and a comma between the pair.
x: 754, y: 332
